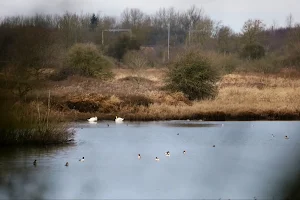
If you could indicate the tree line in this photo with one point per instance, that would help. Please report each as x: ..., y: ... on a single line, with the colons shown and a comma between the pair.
x: 29, y: 40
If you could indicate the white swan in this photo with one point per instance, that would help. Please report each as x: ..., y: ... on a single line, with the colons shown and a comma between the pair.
x: 156, y: 158
x: 82, y: 159
x: 119, y: 119
x: 93, y: 119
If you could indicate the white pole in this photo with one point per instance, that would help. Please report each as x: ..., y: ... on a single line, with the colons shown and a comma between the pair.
x: 168, y: 41
x: 189, y: 37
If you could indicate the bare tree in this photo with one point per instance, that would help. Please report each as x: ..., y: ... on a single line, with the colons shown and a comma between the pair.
x: 252, y: 30
x: 203, y: 31
x: 224, y: 36
x: 109, y: 22
x: 126, y: 18
x: 274, y: 25
x: 132, y: 18
x: 137, y: 62
x: 194, y: 15
x: 289, y: 20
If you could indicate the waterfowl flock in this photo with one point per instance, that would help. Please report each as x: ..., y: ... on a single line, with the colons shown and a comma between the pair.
x: 94, y: 120
x: 167, y: 154
x: 120, y: 120
x: 139, y: 157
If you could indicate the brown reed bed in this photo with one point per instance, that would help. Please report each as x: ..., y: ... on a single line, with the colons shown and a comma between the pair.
x: 243, y: 96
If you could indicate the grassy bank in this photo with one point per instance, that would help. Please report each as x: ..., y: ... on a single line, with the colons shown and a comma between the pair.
x: 31, y: 123
x: 39, y: 120
x: 247, y: 96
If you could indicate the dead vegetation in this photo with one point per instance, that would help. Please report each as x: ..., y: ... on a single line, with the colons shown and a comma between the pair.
x: 240, y: 97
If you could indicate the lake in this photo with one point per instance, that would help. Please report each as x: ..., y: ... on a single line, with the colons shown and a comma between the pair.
x: 249, y: 160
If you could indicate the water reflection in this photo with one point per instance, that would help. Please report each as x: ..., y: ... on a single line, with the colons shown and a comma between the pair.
x: 18, y: 173
x: 191, y: 124
x: 246, y: 162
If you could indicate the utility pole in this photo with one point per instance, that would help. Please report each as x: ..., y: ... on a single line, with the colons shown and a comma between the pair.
x: 190, y: 28
x: 169, y: 41
x: 189, y: 37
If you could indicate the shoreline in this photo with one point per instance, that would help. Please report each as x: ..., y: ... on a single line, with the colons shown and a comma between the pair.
x: 204, y: 117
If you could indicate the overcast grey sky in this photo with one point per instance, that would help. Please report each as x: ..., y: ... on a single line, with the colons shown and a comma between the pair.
x: 231, y: 12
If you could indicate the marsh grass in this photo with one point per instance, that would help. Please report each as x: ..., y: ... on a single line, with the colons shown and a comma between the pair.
x: 242, y: 96
x: 32, y: 124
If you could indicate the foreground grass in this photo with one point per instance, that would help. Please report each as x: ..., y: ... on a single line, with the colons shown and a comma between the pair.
x: 31, y: 124
x: 241, y: 97
x: 41, y: 135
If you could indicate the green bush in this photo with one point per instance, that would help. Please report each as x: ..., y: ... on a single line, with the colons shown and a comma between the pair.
x: 87, y: 60
x: 193, y: 75
x: 293, y: 56
x: 253, y: 52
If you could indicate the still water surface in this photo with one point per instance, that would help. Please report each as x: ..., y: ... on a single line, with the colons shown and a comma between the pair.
x: 250, y: 159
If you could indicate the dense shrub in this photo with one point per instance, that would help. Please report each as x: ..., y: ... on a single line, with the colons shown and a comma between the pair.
x: 293, y: 56
x: 270, y: 64
x: 224, y: 63
x: 229, y: 64
x: 122, y: 45
x: 253, y: 51
x: 135, y: 60
x: 193, y: 75
x: 87, y: 60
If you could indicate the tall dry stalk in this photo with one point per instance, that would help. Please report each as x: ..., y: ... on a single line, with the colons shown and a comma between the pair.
x: 48, y: 111
x: 38, y: 109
